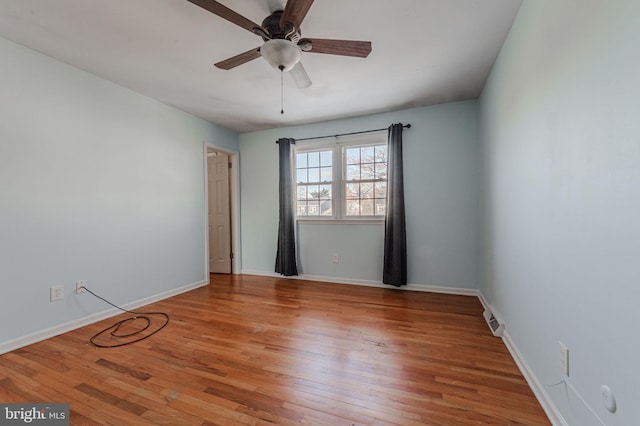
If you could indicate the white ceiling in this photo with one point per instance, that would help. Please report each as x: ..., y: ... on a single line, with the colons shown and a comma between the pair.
x: 424, y: 52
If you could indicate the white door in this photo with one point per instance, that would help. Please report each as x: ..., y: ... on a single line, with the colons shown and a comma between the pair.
x: 219, y: 214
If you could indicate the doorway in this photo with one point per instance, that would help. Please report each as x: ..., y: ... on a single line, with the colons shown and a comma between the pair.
x: 221, y: 211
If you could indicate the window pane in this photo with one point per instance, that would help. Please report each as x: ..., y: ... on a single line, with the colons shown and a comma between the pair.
x: 381, y: 207
x: 326, y: 158
x: 380, y: 190
x: 367, y: 171
x: 353, y: 155
x: 352, y: 190
x: 326, y: 174
x: 314, y: 159
x: 353, y: 208
x: 302, y: 208
x: 381, y: 171
x: 314, y: 175
x: 381, y: 153
x: 313, y: 208
x: 302, y: 176
x: 313, y: 191
x: 366, y: 190
x: 301, y: 160
x: 353, y: 172
x: 326, y: 209
x: 302, y: 192
x: 367, y: 154
x: 366, y: 207
x: 325, y: 192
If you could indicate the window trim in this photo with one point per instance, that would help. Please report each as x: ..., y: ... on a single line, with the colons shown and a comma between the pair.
x: 338, y: 146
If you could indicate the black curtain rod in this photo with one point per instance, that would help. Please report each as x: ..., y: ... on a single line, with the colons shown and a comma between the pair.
x: 406, y: 126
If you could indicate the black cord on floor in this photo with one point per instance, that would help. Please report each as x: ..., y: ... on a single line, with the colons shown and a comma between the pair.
x: 113, y: 330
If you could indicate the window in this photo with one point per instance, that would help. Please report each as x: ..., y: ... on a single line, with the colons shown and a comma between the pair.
x: 365, y: 183
x: 314, y: 179
x: 347, y: 180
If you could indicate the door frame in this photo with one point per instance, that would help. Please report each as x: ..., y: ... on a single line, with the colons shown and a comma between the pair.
x: 234, y: 205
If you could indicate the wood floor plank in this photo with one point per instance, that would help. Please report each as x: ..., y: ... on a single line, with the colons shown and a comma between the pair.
x: 249, y: 350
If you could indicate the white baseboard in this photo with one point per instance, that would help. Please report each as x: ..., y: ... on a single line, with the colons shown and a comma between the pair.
x: 484, y: 302
x: 47, y: 333
x: 555, y: 417
x: 370, y: 283
x: 550, y: 409
x: 261, y: 273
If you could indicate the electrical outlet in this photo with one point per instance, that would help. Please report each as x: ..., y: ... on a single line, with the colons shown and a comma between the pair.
x: 564, y: 359
x: 56, y: 293
x: 335, y: 258
x: 81, y: 286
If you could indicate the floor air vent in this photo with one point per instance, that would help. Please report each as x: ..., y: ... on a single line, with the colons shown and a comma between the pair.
x: 494, y: 324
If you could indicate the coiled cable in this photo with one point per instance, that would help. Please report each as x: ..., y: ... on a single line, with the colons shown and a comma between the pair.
x: 114, y: 330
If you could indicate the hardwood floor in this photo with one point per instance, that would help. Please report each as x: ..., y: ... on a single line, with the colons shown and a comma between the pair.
x: 250, y: 350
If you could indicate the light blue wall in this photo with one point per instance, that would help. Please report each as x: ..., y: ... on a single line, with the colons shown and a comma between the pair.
x: 97, y: 183
x: 441, y: 190
x: 561, y: 135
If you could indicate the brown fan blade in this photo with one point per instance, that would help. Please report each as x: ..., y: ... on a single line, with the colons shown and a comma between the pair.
x: 294, y: 13
x: 360, y: 49
x: 225, y: 13
x: 240, y: 59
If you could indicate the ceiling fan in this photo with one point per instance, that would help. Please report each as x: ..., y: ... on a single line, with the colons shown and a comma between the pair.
x: 283, y: 42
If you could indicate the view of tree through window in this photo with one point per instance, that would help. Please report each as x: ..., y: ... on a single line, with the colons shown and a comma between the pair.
x: 365, y: 183
x: 314, y: 179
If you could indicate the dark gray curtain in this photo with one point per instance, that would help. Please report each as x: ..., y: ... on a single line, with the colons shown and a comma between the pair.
x: 394, y: 270
x: 286, y: 254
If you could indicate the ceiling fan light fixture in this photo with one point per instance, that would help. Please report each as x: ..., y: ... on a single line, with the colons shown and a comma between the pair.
x: 281, y: 54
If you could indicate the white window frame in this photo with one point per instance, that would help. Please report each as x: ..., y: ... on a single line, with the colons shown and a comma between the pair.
x: 338, y: 146
x: 314, y: 148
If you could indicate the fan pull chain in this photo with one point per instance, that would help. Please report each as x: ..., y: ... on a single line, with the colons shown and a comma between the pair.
x: 281, y: 89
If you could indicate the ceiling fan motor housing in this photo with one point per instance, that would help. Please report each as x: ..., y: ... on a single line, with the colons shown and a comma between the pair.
x: 271, y: 24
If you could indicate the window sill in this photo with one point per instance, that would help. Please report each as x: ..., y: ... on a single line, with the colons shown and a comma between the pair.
x: 340, y: 221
